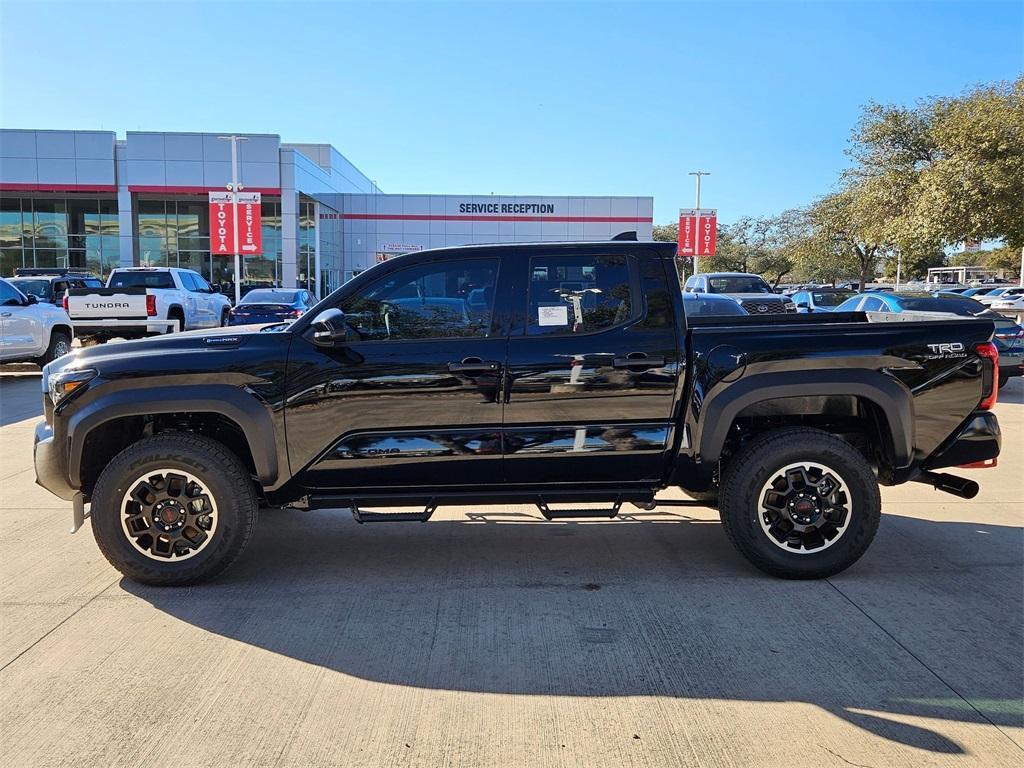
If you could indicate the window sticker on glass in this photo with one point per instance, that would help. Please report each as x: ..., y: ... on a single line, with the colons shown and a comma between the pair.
x: 553, y: 315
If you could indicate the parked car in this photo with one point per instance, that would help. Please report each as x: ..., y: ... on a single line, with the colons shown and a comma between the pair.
x: 588, y: 382
x: 141, y: 301
x: 31, y: 331
x: 820, y: 299
x: 710, y: 305
x: 1001, y: 294
x: 1007, y: 334
x: 750, y: 291
x: 271, y: 305
x: 48, y: 286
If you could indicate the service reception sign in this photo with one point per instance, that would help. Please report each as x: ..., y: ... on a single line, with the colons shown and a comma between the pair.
x: 235, y: 228
x: 698, y: 231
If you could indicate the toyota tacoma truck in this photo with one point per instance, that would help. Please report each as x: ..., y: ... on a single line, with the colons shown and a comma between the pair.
x: 566, y: 375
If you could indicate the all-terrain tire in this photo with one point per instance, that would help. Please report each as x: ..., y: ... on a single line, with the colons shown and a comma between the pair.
x: 760, y: 462
x: 60, y: 344
x: 221, y: 475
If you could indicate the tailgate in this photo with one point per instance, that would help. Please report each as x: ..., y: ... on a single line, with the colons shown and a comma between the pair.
x: 107, y: 303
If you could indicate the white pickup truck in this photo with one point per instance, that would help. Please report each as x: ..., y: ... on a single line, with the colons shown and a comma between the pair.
x: 140, y: 301
x: 30, y: 330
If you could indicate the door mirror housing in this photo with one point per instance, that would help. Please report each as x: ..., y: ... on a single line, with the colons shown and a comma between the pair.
x: 329, y: 327
x: 30, y: 300
x: 803, y: 305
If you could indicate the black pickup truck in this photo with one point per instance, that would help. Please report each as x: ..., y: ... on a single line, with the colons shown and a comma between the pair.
x: 573, y: 376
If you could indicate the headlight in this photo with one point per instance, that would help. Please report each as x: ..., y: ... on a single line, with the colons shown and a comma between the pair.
x: 63, y: 383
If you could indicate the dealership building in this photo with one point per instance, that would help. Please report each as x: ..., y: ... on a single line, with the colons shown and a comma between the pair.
x: 89, y: 200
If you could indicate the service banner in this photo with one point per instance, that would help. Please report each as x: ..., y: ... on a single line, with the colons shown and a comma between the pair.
x: 250, y: 234
x: 224, y: 220
x: 687, y: 231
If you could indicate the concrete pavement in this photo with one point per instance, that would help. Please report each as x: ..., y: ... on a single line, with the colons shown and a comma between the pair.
x: 490, y: 638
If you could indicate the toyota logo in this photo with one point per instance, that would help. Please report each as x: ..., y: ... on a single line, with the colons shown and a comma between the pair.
x: 762, y: 307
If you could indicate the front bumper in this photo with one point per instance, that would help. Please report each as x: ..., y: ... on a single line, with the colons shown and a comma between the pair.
x: 979, y: 439
x: 49, y: 464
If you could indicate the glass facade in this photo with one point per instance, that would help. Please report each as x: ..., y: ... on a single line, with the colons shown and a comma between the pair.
x: 58, y: 232
x: 306, y: 256
x: 176, y: 233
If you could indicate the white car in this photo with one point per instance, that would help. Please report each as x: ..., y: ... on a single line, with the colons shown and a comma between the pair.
x: 1013, y: 305
x: 139, y: 301
x: 31, y: 331
x: 1000, y: 294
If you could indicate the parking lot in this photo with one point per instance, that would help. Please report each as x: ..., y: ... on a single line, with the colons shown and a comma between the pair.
x: 490, y: 637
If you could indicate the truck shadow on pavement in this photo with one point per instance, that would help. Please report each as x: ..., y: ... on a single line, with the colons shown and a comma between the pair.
x: 927, y: 625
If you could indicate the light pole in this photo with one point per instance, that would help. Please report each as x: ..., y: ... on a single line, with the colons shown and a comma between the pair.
x: 696, y: 264
x: 234, y: 188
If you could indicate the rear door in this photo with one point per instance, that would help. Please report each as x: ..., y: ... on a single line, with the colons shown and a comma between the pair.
x: 411, y: 399
x: 592, y: 368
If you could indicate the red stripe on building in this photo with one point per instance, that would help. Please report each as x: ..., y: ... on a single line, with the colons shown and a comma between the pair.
x: 484, y: 217
x: 173, y: 190
x: 7, y: 186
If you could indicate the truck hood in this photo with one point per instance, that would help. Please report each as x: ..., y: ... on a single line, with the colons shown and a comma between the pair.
x: 169, y: 343
x: 762, y: 297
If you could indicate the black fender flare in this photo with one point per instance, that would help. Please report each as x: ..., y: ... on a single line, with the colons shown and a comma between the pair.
x: 721, y: 408
x: 252, y: 416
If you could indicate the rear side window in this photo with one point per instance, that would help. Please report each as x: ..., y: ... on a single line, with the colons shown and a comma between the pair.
x: 871, y: 304
x: 141, y: 280
x: 578, y: 294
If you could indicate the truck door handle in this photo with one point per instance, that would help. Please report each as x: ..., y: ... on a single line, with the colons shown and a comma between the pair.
x: 5, y: 314
x: 636, y: 361
x: 474, y: 365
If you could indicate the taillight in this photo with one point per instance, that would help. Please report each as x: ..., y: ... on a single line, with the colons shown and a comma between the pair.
x: 295, y: 313
x: 64, y: 302
x: 989, y: 374
x: 150, y: 305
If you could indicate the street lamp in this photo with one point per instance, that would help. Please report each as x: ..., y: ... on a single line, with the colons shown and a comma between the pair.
x: 698, y: 174
x: 234, y: 188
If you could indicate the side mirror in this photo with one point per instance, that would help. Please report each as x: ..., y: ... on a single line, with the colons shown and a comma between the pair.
x: 802, y: 305
x: 31, y: 299
x: 329, y: 327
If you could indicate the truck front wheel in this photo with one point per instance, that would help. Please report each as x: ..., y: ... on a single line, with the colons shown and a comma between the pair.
x: 173, y: 509
x: 800, y: 503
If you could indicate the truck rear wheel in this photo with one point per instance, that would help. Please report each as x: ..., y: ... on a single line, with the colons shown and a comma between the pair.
x: 800, y: 503
x: 173, y: 509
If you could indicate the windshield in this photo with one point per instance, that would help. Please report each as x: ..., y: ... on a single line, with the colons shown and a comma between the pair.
x: 38, y: 288
x: 268, y: 297
x: 141, y: 280
x: 737, y: 285
x: 831, y: 298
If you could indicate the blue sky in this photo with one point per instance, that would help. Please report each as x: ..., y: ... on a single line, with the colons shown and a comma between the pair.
x: 530, y: 98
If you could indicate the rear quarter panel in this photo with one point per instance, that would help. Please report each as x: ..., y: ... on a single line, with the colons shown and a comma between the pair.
x: 944, y: 383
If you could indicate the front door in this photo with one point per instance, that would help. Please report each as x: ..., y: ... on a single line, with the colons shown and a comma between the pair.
x: 591, y: 370
x: 412, y: 398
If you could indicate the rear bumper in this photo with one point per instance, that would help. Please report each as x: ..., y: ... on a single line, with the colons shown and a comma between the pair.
x: 49, y: 464
x: 979, y: 439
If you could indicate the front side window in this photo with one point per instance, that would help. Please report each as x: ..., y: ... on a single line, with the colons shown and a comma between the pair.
x: 430, y: 301
x: 578, y: 294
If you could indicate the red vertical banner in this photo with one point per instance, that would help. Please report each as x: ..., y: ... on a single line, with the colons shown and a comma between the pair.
x: 707, y: 232
x: 687, y: 232
x: 222, y: 223
x: 224, y: 218
x: 250, y: 234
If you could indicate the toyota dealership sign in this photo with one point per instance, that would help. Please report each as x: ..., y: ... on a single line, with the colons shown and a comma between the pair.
x: 698, y: 231
x: 226, y: 222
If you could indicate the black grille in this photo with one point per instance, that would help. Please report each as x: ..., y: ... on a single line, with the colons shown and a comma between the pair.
x: 764, y: 307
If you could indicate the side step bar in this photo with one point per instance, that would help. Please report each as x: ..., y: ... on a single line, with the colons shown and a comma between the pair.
x: 369, y: 516
x: 563, y: 514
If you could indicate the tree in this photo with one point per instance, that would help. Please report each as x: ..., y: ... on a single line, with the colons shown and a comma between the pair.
x: 946, y: 170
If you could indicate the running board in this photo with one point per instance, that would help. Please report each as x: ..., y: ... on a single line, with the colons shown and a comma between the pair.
x: 369, y: 516
x: 564, y: 514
